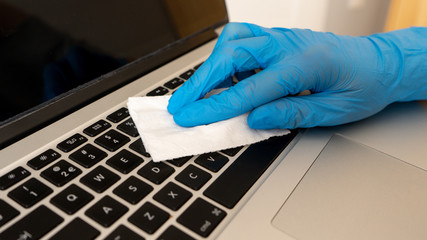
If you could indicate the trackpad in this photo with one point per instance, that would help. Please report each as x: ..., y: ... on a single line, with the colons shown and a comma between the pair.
x: 355, y: 192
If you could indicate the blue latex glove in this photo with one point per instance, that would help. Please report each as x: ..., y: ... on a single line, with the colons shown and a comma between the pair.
x: 350, y: 78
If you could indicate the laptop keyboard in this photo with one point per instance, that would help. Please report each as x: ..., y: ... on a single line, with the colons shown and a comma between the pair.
x: 102, y: 180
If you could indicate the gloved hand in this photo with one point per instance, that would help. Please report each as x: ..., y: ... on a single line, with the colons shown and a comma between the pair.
x: 350, y: 78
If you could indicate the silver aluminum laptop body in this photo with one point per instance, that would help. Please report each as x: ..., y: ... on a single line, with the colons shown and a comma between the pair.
x: 365, y: 180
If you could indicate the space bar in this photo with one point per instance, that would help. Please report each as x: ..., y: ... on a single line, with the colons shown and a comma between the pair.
x: 239, y: 177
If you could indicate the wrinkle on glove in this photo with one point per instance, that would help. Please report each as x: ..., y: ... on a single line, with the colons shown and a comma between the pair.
x: 165, y: 140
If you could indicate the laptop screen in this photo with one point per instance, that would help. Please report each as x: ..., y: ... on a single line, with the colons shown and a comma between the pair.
x: 49, y: 49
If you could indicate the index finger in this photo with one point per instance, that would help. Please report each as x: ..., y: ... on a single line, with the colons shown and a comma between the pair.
x: 224, y: 62
x: 217, y: 68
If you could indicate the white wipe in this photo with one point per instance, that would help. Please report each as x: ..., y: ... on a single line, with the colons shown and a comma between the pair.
x: 165, y: 140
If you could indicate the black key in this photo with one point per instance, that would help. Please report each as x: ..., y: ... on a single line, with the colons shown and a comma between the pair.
x: 202, y: 217
x: 198, y: 65
x: 232, y: 151
x: 43, y: 159
x: 172, y: 196
x: 76, y: 229
x: 159, y: 91
x: 174, y: 83
x: 156, y: 172
x: 61, y: 173
x: 124, y: 161
x: 88, y: 155
x: 212, y: 161
x: 187, y: 74
x: 72, y: 142
x: 97, y: 128
x: 30, y: 193
x: 193, y: 177
x: 106, y: 211
x: 173, y: 233
x: 133, y: 190
x: 123, y: 233
x: 179, y: 161
x: 128, y: 127
x: 31, y: 226
x: 7, y: 212
x: 71, y: 199
x: 99, y: 179
x: 13, y: 177
x: 118, y: 115
x: 149, y: 218
x: 138, y: 147
x: 112, y: 140
x: 239, y: 177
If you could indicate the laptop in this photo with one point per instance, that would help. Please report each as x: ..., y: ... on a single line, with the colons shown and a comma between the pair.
x: 72, y: 165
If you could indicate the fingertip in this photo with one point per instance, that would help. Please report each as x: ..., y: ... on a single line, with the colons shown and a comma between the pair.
x: 182, y: 120
x: 174, y: 103
x: 191, y: 116
x: 252, y: 122
x: 259, y: 119
x: 171, y: 108
x: 188, y: 92
x: 202, y: 112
